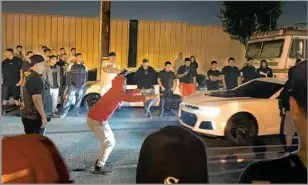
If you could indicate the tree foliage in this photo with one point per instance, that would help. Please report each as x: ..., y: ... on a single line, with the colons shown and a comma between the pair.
x: 241, y: 19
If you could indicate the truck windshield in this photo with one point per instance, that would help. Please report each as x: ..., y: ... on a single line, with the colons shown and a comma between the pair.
x: 265, y: 49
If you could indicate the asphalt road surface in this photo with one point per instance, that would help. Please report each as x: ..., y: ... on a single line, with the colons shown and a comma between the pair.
x: 79, y: 146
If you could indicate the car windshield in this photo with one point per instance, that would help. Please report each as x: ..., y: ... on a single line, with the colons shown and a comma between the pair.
x: 266, y: 49
x: 253, y: 89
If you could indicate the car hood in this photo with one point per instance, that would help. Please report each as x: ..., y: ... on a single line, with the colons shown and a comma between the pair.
x: 203, y: 99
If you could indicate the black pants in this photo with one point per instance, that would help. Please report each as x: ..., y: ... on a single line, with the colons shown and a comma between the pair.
x: 33, y: 126
x: 166, y: 100
x: 10, y: 90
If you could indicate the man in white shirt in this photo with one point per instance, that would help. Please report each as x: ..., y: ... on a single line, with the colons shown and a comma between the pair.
x: 110, y: 69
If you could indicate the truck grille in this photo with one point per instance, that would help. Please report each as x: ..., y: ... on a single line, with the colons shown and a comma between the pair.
x: 188, y: 118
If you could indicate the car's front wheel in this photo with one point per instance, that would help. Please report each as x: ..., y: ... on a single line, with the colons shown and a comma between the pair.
x: 90, y: 100
x: 241, y: 129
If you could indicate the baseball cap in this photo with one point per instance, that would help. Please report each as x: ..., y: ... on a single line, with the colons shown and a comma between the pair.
x: 35, y: 59
x: 172, y: 155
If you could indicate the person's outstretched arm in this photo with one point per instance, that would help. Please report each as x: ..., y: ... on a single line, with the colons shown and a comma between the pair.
x: 138, y: 98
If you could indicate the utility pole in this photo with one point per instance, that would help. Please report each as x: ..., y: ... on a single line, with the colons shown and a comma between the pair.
x: 104, y: 32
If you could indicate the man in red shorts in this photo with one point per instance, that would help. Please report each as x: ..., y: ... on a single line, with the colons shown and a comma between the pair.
x: 187, y: 78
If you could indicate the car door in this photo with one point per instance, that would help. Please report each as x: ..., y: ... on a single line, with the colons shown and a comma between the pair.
x: 131, y: 84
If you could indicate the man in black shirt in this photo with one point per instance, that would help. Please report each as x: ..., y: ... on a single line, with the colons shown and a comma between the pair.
x: 167, y: 83
x: 26, y: 63
x: 146, y: 78
x: 12, y: 78
x: 33, y: 114
x: 76, y: 81
x: 248, y: 72
x: 63, y: 72
x: 293, y: 167
x: 52, y: 76
x: 213, y: 75
x: 231, y: 75
x: 187, y: 77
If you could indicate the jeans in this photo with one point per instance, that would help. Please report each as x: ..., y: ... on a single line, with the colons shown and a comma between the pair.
x: 148, y: 103
x: 54, y: 95
x: 72, y: 93
x: 104, y: 134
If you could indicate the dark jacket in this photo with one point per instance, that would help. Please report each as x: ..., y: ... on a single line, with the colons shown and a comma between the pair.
x: 194, y: 67
x: 261, y: 71
x: 266, y: 70
x: 77, y: 75
x: 145, y: 79
x: 63, y: 70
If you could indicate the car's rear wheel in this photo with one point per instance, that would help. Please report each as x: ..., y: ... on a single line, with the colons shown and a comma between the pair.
x: 241, y: 129
x: 90, y: 100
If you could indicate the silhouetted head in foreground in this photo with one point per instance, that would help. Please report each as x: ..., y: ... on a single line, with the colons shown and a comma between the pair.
x: 172, y: 155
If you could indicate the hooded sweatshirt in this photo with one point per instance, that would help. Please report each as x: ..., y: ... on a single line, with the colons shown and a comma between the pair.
x: 264, y: 72
x: 109, y: 102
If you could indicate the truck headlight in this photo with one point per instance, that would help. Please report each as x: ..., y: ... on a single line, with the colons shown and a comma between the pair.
x: 210, y: 111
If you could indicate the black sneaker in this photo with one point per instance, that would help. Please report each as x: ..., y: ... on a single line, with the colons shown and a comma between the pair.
x: 104, y: 170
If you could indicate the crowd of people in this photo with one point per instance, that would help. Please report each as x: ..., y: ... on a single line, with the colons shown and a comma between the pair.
x: 40, y: 81
x: 66, y: 76
x: 46, y: 79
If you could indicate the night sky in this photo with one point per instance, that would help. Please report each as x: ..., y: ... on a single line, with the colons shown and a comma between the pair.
x: 193, y: 12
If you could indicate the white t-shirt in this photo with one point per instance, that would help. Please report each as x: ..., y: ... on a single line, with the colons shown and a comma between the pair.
x: 106, y: 78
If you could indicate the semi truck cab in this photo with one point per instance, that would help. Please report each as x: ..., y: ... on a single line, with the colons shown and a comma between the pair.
x: 280, y: 48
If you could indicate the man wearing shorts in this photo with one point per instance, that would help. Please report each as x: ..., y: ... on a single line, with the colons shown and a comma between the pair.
x: 187, y: 78
x: 12, y: 78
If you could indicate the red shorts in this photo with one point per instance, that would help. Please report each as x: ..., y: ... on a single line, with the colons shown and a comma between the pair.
x: 187, y: 89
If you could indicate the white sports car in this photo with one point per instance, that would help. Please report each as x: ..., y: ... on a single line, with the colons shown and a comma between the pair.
x: 238, y: 114
x: 93, y: 90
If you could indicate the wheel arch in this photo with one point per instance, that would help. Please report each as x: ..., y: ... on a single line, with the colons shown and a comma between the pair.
x: 87, y: 95
x: 248, y: 114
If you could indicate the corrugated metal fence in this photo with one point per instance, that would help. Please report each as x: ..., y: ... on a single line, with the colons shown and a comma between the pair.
x: 157, y: 40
